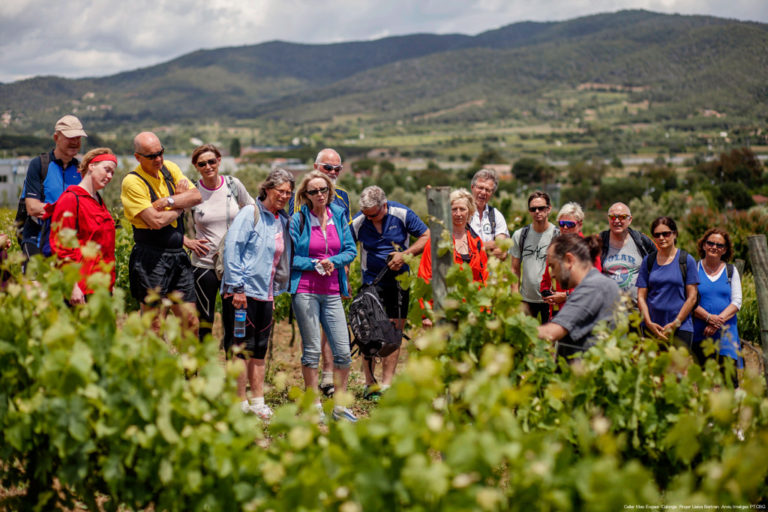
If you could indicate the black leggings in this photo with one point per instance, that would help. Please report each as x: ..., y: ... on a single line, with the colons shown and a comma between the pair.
x: 206, y: 288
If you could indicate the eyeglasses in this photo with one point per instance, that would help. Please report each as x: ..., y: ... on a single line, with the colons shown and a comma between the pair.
x: 663, y: 234
x: 375, y: 214
x: 152, y: 156
x: 282, y: 193
x: 534, y: 209
x: 715, y: 244
x: 621, y: 217
x: 567, y: 224
x: 203, y: 163
x: 330, y: 167
x: 322, y: 190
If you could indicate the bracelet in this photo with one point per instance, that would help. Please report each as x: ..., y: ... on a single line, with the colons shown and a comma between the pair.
x: 707, y: 320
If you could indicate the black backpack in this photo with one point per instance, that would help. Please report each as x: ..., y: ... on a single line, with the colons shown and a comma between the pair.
x: 375, y: 335
x: 21, y: 211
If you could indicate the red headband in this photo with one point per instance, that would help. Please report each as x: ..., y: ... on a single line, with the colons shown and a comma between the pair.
x: 106, y: 157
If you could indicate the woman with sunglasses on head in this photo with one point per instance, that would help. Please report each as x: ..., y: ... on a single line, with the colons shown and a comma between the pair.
x: 719, y: 298
x: 323, y: 246
x: 667, y: 285
x: 468, y: 247
x: 81, y: 209
x: 223, y: 197
x: 570, y: 219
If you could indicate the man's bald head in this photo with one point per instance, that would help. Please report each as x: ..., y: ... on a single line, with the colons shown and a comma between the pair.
x: 328, y: 162
x: 619, y: 219
x: 148, y: 151
x: 619, y: 209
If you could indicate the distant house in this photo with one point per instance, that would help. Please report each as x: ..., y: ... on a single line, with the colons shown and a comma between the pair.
x: 292, y: 165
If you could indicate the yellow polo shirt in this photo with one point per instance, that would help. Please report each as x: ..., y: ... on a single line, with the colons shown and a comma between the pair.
x: 135, y: 195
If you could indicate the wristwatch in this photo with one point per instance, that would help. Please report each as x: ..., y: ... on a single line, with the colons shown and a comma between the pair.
x: 171, y: 202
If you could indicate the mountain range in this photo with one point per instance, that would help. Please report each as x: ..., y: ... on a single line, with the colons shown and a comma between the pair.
x: 686, y: 63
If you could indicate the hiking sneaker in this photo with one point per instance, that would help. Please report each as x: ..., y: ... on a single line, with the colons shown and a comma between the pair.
x: 343, y: 413
x: 327, y: 389
x: 372, y: 393
x: 263, y: 411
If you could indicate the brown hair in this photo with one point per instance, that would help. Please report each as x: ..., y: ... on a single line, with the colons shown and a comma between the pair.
x: 537, y: 194
x: 199, y: 150
x: 716, y: 231
x: 90, y: 156
x: 585, y: 249
x: 301, y: 191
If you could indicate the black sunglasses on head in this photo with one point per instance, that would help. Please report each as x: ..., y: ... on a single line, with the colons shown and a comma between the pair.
x: 152, y: 156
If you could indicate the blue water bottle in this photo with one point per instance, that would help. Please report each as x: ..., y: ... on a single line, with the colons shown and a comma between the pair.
x: 240, y: 323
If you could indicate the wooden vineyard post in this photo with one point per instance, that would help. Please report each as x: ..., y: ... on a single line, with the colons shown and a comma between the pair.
x: 439, y: 209
x: 758, y: 257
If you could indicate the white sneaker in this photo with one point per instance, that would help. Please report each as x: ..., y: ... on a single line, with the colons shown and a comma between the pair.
x: 344, y: 413
x: 263, y: 411
x: 320, y: 412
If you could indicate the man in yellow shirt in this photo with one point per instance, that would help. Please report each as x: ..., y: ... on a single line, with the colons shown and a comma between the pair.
x: 154, y: 197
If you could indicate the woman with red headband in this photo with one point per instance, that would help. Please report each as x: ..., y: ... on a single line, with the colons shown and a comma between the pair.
x: 81, y: 209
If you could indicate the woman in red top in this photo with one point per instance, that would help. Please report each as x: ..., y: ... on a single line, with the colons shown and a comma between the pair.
x: 81, y: 209
x: 570, y: 220
x: 468, y: 247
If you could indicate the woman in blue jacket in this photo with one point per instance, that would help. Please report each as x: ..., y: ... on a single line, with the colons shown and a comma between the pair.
x: 323, y: 246
x: 257, y: 255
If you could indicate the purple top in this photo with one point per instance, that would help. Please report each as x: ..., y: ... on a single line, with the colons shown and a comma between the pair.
x: 321, y: 246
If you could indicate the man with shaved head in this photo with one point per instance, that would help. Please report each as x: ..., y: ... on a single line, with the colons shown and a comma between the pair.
x: 623, y: 249
x: 154, y: 197
x: 329, y: 163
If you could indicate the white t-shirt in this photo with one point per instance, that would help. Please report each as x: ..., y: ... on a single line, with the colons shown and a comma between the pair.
x: 483, y: 226
x: 210, y: 216
x: 533, y: 260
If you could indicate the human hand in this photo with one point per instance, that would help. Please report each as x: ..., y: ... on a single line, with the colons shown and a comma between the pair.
x: 557, y: 298
x: 327, y: 266
x: 239, y: 301
x: 426, y: 323
x: 498, y: 253
x: 161, y: 204
x: 182, y: 186
x: 5, y: 241
x: 710, y: 331
x: 657, y: 330
x: 716, y: 321
x: 396, y: 261
x: 198, y: 246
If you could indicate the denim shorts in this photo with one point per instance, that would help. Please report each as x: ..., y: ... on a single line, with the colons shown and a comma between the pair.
x: 313, y: 310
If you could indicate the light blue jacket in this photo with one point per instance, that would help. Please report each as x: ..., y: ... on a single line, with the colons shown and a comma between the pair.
x: 249, y: 252
x: 300, y: 238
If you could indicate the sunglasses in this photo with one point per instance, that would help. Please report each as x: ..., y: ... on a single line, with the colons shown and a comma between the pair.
x: 374, y: 215
x: 316, y: 191
x: 533, y: 209
x: 621, y: 217
x: 663, y: 234
x: 715, y: 244
x: 567, y: 224
x: 329, y: 167
x: 152, y: 156
x: 203, y: 163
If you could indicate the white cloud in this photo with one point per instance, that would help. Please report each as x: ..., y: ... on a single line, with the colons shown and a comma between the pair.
x: 96, y: 38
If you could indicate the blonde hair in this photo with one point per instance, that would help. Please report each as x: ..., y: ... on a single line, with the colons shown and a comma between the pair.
x: 573, y: 210
x: 301, y: 192
x: 465, y: 194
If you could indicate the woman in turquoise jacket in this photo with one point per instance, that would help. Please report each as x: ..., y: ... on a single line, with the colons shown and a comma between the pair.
x: 323, y: 246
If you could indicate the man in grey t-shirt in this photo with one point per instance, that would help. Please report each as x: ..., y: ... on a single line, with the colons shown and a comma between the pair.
x: 593, y: 299
x: 529, y: 255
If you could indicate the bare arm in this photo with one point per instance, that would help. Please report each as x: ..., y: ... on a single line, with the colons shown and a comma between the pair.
x: 158, y: 219
x: 185, y: 197
x: 552, y: 331
x: 35, y: 207
x: 397, y: 260
x: 516, y: 271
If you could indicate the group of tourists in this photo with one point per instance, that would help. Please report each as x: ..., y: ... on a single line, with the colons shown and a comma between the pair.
x: 249, y: 250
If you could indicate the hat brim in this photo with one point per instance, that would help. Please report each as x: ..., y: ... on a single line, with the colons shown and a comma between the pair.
x: 73, y: 133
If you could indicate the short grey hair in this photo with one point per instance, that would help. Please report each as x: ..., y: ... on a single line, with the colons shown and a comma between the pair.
x: 486, y: 174
x: 466, y: 195
x: 276, y: 178
x: 571, y: 209
x: 372, y: 197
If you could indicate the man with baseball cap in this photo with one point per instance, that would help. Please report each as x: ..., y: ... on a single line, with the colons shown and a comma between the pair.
x: 48, y: 175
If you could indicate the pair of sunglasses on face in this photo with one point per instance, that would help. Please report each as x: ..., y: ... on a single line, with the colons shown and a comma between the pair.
x: 569, y: 224
x: 316, y: 191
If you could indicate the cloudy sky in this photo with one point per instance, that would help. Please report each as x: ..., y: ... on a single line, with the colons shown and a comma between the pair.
x: 77, y: 38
